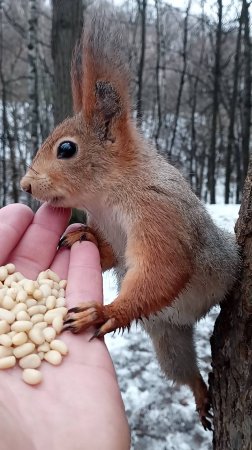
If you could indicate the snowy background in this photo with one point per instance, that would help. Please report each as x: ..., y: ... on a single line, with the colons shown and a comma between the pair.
x: 162, y: 416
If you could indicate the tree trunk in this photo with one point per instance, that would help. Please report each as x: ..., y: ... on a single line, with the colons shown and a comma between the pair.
x: 14, y: 175
x: 238, y: 173
x: 231, y: 134
x: 231, y: 380
x: 194, y: 157
x: 247, y: 91
x: 142, y: 10
x: 182, y: 78
x: 3, y: 191
x: 33, y: 75
x: 216, y: 89
x: 159, y: 111
x: 67, y: 22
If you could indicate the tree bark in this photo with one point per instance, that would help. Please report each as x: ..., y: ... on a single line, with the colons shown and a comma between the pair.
x: 67, y: 22
x: 231, y: 379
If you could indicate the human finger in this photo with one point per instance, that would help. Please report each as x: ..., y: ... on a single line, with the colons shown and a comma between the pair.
x: 84, y: 274
x: 84, y: 285
x: 60, y: 263
x: 37, y: 248
x: 14, y: 220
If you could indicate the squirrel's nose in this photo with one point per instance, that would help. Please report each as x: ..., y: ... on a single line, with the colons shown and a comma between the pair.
x: 26, y: 186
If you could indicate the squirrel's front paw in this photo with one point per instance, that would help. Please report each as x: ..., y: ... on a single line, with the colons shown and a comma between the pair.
x: 87, y: 315
x: 83, y: 233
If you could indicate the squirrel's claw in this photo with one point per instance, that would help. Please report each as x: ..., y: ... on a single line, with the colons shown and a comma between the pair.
x: 84, y: 316
x: 204, y: 414
x: 83, y: 233
x: 107, y: 327
x: 206, y: 424
x: 202, y: 400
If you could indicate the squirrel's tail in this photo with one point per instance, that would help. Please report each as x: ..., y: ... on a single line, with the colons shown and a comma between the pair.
x: 100, y: 73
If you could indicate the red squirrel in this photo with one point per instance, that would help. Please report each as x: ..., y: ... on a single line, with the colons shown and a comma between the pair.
x: 172, y: 262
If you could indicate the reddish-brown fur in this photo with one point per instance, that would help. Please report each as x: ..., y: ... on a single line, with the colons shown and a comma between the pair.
x: 147, y: 223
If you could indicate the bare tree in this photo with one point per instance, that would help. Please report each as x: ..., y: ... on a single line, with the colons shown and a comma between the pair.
x: 216, y: 89
x: 247, y: 89
x: 4, y: 113
x: 182, y: 77
x: 33, y: 74
x: 159, y: 111
x: 234, y: 98
x: 67, y: 22
x: 197, y: 161
x: 142, y: 6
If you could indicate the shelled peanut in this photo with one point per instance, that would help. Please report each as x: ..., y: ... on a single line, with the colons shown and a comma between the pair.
x: 31, y: 318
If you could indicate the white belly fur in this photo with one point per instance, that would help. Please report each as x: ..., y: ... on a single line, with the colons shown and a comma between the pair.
x: 191, y: 305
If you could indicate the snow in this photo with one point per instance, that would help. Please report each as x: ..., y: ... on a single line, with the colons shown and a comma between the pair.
x: 162, y: 415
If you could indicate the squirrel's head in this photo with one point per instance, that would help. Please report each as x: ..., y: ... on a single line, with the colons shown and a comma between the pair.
x: 87, y: 151
x: 79, y: 158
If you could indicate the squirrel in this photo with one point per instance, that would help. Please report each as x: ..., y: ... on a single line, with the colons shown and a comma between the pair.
x: 171, y: 261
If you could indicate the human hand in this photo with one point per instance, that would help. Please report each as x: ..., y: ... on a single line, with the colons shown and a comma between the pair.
x: 78, y: 405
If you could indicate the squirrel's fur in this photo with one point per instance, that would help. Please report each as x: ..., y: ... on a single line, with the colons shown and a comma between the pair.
x: 172, y: 262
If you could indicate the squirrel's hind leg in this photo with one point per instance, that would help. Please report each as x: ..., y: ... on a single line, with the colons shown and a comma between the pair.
x: 177, y: 358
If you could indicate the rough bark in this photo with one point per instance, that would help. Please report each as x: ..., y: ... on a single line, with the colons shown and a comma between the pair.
x: 67, y: 22
x: 231, y: 379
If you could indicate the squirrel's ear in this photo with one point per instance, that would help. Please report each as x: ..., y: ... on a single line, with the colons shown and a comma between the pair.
x: 100, y: 76
x: 108, y: 100
x: 76, y: 78
x: 107, y: 109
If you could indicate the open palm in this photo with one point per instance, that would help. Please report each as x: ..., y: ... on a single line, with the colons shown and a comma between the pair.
x: 78, y: 405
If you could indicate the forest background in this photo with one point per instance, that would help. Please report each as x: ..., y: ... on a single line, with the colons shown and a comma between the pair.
x: 191, y: 90
x: 191, y: 85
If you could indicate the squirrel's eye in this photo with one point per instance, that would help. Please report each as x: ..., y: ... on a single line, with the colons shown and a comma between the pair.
x: 66, y: 150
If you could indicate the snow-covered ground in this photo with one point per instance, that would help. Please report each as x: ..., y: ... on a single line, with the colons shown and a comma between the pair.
x: 162, y: 416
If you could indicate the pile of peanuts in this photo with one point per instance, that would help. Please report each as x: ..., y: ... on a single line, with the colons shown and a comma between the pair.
x: 31, y: 316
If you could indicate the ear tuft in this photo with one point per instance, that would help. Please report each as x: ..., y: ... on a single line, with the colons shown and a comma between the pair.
x: 108, y: 100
